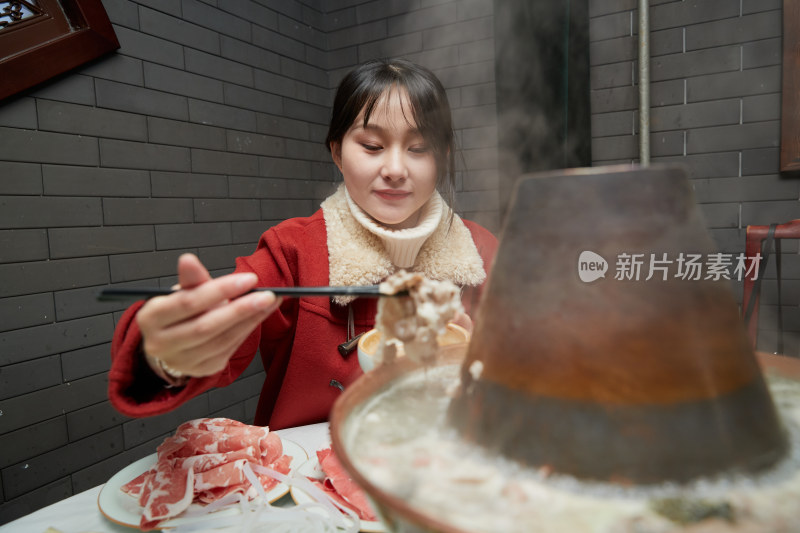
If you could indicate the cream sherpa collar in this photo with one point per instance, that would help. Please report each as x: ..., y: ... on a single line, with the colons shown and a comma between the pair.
x: 358, y: 257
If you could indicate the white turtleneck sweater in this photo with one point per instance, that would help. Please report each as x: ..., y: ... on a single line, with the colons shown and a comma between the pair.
x: 402, y: 245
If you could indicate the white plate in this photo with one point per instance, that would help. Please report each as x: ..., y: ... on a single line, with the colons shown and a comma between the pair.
x: 312, y: 468
x: 124, y: 509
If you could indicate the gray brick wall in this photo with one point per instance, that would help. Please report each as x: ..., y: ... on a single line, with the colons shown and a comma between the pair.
x: 715, y: 108
x: 203, y: 130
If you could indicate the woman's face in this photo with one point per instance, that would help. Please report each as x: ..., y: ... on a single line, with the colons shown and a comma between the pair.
x: 388, y: 167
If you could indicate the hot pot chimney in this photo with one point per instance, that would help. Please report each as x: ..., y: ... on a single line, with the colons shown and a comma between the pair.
x: 640, y: 376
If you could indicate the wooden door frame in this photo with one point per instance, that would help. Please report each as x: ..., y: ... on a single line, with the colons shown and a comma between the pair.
x: 88, y: 34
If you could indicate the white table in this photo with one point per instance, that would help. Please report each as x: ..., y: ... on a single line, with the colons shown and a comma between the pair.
x: 80, y: 514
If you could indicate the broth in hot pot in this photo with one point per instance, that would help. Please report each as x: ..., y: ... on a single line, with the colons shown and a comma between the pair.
x: 401, y: 442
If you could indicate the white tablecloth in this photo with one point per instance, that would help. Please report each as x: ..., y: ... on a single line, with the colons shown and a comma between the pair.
x: 80, y: 514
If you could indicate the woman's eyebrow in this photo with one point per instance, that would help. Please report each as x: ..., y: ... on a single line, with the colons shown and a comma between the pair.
x: 379, y: 129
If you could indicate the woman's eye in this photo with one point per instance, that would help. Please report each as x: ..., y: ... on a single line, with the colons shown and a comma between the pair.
x: 371, y: 147
x: 419, y: 149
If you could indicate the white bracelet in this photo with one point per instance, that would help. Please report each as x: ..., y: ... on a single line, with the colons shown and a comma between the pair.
x: 174, y: 378
x: 171, y: 372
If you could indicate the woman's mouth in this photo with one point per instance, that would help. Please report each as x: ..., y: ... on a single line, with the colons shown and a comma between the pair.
x: 392, y: 195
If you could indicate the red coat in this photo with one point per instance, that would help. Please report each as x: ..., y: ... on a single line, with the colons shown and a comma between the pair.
x: 298, y: 342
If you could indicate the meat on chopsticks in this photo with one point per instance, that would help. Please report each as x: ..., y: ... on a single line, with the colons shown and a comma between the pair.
x: 415, y: 320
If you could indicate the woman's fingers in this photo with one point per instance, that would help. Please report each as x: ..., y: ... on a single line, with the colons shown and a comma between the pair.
x: 196, y: 329
x: 216, y: 351
x: 191, y: 271
x: 215, y: 333
x: 199, y: 329
x: 164, y: 311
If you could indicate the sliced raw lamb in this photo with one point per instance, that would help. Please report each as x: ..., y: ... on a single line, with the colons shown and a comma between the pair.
x: 340, y: 486
x: 203, y: 462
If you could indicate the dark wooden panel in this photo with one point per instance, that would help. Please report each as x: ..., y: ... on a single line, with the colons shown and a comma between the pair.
x: 50, y: 48
x: 790, y: 112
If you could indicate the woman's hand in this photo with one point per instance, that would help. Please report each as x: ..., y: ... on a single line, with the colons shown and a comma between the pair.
x: 196, y: 330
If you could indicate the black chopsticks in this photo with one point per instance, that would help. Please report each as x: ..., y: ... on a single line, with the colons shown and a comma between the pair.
x: 110, y: 294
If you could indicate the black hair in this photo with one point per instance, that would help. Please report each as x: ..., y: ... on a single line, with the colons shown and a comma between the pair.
x: 363, y: 86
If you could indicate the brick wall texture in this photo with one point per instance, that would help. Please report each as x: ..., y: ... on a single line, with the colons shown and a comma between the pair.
x: 715, y: 107
x: 206, y: 127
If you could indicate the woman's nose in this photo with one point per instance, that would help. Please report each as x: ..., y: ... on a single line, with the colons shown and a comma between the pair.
x: 394, y: 165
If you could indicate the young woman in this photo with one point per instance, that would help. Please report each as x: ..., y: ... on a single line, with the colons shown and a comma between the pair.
x: 392, y: 138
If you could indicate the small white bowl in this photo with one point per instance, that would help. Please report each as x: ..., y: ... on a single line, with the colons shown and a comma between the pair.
x: 368, y: 344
